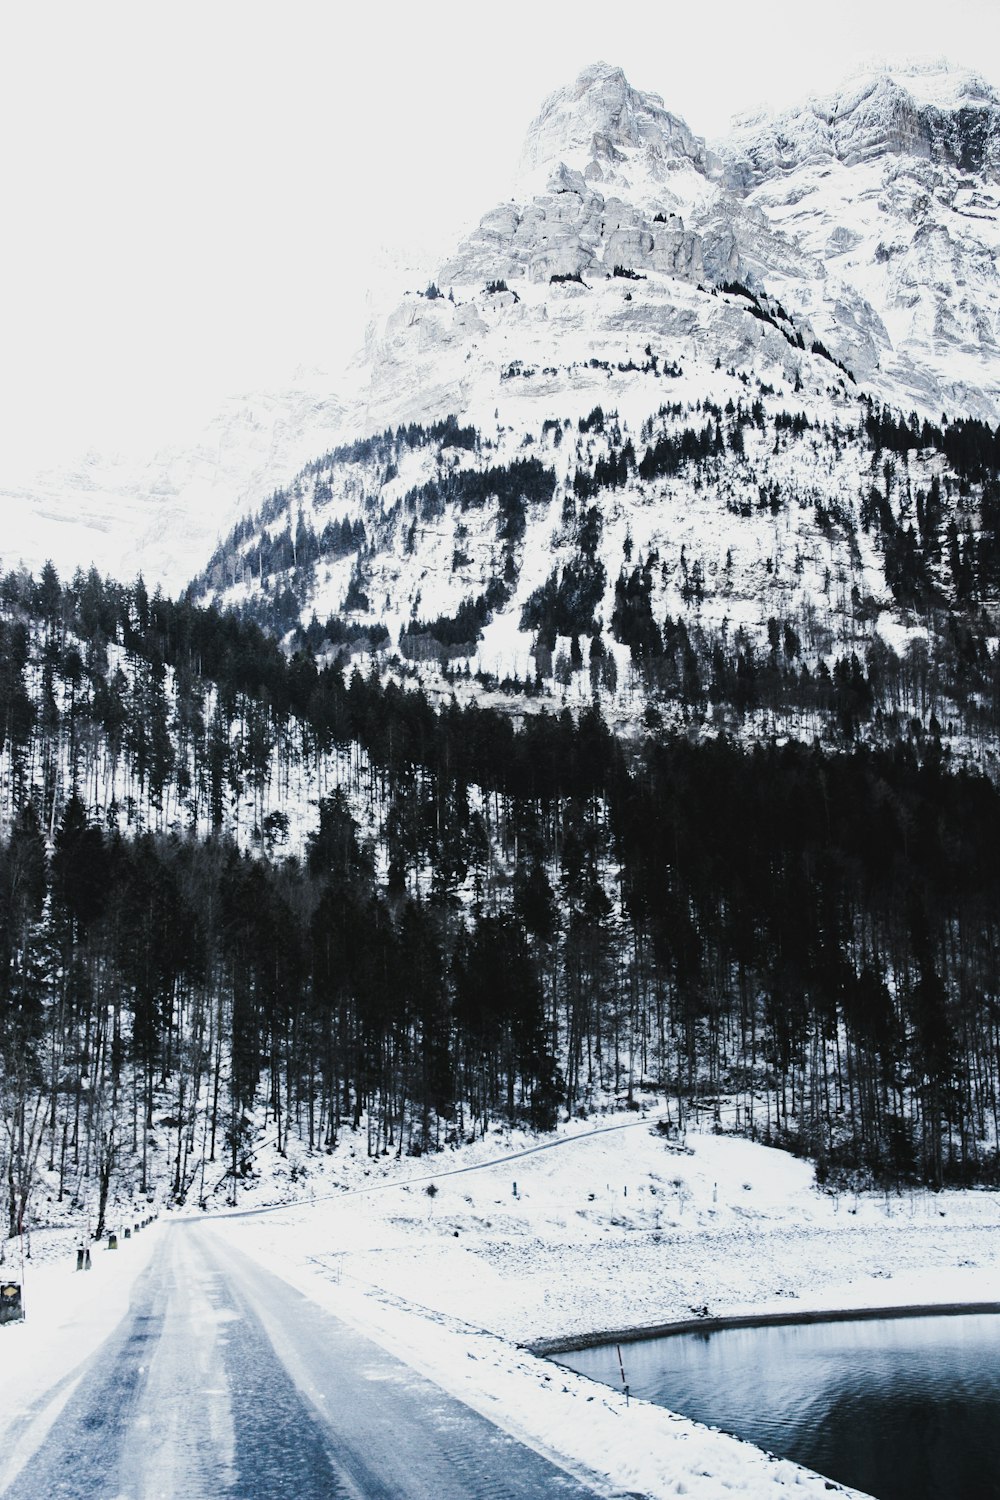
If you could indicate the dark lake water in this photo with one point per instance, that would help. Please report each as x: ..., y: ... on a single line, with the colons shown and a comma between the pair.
x: 903, y: 1408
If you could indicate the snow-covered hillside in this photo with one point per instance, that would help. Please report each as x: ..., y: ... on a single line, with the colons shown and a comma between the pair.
x: 721, y: 544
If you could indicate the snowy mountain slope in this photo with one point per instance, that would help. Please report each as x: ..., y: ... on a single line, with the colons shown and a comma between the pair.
x: 871, y: 214
x: 426, y: 554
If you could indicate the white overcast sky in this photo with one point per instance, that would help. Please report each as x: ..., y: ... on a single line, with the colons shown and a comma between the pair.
x: 194, y: 194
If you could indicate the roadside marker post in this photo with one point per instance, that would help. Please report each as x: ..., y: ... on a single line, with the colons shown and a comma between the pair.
x: 622, y: 1368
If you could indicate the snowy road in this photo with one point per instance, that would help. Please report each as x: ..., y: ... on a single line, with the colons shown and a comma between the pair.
x: 223, y: 1380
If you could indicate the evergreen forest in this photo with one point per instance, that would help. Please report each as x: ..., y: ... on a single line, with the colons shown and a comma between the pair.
x: 247, y: 895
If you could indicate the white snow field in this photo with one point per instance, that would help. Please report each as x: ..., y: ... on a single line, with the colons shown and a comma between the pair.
x: 613, y: 1226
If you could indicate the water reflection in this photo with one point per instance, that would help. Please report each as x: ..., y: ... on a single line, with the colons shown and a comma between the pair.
x: 906, y: 1408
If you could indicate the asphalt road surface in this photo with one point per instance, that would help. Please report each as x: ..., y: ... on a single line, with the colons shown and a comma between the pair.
x: 224, y: 1381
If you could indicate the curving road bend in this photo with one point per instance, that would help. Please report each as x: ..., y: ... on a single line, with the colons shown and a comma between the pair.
x: 224, y: 1381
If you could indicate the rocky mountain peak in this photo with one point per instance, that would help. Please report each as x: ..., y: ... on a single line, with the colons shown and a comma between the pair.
x: 612, y: 133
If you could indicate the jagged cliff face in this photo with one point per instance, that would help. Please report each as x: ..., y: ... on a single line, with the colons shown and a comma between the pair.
x: 948, y: 117
x: 568, y: 229
x: 606, y: 178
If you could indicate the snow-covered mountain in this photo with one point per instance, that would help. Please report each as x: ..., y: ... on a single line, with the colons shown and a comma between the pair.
x: 841, y: 249
x: 652, y: 381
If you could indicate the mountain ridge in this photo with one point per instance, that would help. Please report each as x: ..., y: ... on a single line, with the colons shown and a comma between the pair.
x: 887, y: 262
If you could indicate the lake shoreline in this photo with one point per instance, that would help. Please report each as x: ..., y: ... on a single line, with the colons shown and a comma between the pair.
x: 549, y: 1348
